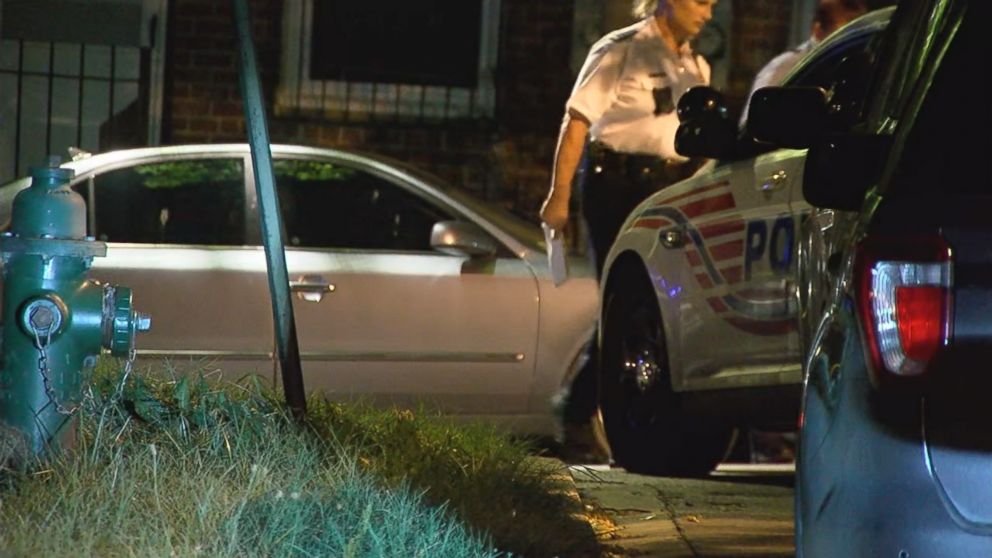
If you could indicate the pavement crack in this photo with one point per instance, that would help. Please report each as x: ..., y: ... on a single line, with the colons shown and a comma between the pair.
x: 590, y: 475
x: 670, y: 509
x: 624, y: 510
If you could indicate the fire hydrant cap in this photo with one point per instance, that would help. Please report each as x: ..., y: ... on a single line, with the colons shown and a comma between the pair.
x: 51, y: 173
x: 49, y: 209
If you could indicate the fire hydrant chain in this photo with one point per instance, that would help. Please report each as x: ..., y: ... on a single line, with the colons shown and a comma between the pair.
x: 41, y: 341
x: 132, y: 353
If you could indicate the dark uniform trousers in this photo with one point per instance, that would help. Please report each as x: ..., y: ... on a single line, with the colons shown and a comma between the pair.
x: 611, y: 185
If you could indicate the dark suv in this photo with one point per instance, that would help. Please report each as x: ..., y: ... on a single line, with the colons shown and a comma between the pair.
x: 895, y: 455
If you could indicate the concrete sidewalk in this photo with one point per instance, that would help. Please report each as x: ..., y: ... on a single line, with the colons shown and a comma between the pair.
x: 737, y: 512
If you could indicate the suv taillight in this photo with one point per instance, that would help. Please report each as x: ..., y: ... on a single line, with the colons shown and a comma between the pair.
x: 904, y: 298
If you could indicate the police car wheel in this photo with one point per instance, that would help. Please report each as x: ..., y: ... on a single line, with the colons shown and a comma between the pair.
x: 643, y: 418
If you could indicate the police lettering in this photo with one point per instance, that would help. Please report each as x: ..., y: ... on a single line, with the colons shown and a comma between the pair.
x: 778, y: 245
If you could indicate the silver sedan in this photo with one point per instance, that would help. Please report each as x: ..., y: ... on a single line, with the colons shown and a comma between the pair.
x: 406, y: 292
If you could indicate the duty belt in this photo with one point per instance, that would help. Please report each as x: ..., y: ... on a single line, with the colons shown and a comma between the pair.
x: 602, y: 159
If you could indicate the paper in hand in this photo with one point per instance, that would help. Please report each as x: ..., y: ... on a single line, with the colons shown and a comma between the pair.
x: 556, y: 254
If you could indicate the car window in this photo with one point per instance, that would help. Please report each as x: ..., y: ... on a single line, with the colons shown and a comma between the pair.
x: 198, y: 201
x: 949, y: 137
x: 845, y: 73
x: 329, y: 205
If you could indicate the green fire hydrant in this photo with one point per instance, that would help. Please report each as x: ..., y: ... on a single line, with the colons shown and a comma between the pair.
x: 55, y: 320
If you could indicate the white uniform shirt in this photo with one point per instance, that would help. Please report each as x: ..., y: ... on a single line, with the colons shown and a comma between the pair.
x: 629, y: 87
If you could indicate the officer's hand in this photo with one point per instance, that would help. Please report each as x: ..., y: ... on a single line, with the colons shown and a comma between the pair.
x: 554, y: 212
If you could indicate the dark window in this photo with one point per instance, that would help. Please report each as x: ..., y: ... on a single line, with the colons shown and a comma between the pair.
x: 326, y: 205
x: 172, y: 202
x: 845, y: 73
x: 429, y: 42
x: 949, y: 138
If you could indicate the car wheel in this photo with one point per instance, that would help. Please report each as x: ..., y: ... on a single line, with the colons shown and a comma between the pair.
x: 647, y: 429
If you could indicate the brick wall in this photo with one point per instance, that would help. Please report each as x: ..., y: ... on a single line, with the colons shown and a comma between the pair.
x: 533, y: 82
x: 202, y: 99
x: 507, y: 159
x: 760, y: 31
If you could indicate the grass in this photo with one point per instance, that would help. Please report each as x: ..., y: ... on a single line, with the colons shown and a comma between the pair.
x: 190, y: 468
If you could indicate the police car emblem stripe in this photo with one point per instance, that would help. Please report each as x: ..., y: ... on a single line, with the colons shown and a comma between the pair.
x: 708, y: 205
x: 715, y: 253
x: 695, y: 192
x: 727, y: 250
x: 720, y: 229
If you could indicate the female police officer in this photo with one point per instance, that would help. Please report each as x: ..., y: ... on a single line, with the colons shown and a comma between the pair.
x: 624, y: 101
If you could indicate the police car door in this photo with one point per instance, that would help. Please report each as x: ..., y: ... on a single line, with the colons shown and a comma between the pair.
x: 740, y: 248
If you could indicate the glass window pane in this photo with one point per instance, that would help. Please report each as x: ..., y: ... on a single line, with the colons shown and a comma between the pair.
x: 326, y: 205
x: 174, y: 202
x: 845, y: 74
x: 354, y: 41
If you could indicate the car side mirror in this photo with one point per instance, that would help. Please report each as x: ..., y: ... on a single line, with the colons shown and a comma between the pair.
x: 705, y: 129
x: 793, y: 117
x: 461, y: 238
x: 840, y: 169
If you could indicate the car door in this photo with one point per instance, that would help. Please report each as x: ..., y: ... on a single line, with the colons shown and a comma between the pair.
x: 383, y: 317
x: 738, y: 249
x: 746, y: 254
x: 845, y: 71
x: 175, y: 232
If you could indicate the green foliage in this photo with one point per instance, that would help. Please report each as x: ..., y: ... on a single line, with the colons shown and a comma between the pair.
x: 176, y: 174
x: 186, y: 467
x: 357, y: 519
x: 310, y: 170
x: 486, y: 478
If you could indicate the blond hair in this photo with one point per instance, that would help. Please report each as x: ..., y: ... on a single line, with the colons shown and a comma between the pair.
x: 644, y: 8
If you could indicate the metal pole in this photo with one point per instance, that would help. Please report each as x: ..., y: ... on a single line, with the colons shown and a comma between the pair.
x: 268, y: 202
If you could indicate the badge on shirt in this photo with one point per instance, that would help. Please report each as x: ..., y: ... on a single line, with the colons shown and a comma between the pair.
x: 663, y: 103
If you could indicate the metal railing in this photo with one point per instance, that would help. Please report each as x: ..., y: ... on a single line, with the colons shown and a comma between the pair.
x: 59, y: 95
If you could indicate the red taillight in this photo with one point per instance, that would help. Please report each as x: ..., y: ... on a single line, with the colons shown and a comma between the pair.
x: 920, y: 315
x: 904, y: 298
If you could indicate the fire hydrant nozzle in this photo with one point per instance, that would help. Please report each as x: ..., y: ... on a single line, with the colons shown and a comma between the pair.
x: 120, y: 322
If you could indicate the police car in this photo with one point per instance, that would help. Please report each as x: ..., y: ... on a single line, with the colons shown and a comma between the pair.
x: 699, y: 320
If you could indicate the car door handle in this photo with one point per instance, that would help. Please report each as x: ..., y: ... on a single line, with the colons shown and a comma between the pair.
x: 311, y: 288
x: 773, y: 182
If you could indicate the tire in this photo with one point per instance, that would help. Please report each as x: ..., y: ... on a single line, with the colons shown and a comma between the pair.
x: 647, y: 429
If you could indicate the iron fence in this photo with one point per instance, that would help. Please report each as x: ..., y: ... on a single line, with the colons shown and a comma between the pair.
x: 54, y: 96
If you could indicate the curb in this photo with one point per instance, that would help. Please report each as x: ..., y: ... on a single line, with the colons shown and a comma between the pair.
x: 583, y: 525
x: 606, y: 530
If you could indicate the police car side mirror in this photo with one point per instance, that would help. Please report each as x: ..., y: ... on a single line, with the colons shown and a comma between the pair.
x: 705, y: 129
x: 793, y: 117
x: 840, y: 168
